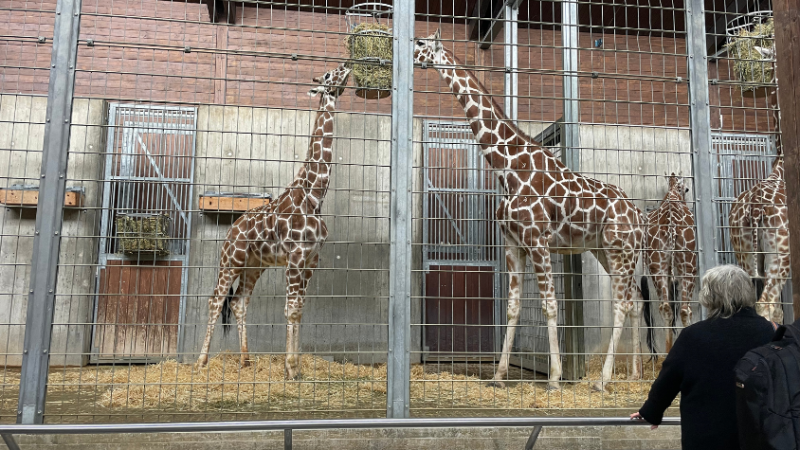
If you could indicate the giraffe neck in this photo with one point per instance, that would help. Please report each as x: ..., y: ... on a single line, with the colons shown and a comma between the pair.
x: 314, y: 175
x: 777, y: 168
x: 499, y: 138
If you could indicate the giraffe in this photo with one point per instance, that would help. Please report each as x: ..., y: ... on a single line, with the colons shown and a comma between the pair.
x: 670, y: 257
x: 288, y: 232
x: 759, y: 222
x: 759, y: 229
x: 546, y: 208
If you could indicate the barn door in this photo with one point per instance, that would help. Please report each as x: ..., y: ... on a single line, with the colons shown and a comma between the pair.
x: 144, y: 246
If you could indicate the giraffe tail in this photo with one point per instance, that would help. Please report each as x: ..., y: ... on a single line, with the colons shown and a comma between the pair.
x: 226, y: 312
x: 647, y: 312
x: 673, y: 303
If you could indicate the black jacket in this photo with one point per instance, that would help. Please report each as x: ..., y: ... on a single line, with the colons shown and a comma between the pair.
x: 700, y: 367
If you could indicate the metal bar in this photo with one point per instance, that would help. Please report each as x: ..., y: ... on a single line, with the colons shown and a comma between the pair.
x: 400, y: 265
x: 287, y: 439
x: 511, y: 60
x: 575, y: 364
x: 10, y: 442
x: 49, y: 214
x: 212, y: 427
x: 700, y: 119
x: 533, y: 437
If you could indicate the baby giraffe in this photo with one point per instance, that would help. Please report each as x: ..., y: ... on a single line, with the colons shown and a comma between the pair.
x: 288, y: 232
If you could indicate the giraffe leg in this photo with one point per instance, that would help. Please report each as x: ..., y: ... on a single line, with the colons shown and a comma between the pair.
x: 539, y: 253
x: 635, y: 296
x: 298, y: 273
x: 515, y: 262
x: 239, y: 305
x: 225, y: 279
x: 687, y: 289
x: 776, y: 272
x: 615, y: 262
x: 663, y: 287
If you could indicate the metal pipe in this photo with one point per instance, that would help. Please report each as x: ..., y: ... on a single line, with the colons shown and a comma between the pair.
x: 700, y: 117
x: 533, y: 437
x: 400, y: 265
x: 213, y: 427
x: 49, y: 214
x: 511, y: 61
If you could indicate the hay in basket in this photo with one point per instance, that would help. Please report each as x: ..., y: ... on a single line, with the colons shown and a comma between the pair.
x: 371, y: 42
x: 143, y: 233
x: 750, y: 66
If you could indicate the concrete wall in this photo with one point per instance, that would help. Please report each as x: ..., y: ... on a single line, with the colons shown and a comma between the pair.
x: 22, y: 121
x: 259, y: 150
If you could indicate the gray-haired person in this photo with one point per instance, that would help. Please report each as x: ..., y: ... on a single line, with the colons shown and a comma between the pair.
x: 700, y: 365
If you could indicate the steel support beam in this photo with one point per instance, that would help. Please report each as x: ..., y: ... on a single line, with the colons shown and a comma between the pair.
x: 700, y: 120
x: 511, y: 61
x: 575, y: 364
x: 400, y: 260
x: 49, y: 214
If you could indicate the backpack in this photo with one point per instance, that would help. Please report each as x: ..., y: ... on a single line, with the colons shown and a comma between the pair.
x: 768, y: 393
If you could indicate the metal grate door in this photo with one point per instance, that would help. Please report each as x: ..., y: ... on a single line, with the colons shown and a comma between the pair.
x: 148, y: 178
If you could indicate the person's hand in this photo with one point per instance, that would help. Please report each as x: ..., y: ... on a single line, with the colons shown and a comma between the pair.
x: 637, y: 416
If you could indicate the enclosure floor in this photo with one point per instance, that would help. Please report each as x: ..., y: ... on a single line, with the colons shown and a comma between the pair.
x: 170, y: 391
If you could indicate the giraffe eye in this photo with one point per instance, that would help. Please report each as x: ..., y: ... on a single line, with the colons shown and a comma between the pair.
x: 420, y: 43
x: 327, y: 76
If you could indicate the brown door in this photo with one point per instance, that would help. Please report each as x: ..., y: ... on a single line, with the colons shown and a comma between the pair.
x: 459, y: 311
x: 137, y: 311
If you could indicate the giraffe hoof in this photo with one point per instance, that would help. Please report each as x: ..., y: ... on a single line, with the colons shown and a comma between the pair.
x: 598, y: 387
x: 496, y: 384
x: 553, y: 386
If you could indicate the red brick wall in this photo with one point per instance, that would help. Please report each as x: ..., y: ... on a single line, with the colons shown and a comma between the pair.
x: 139, y: 56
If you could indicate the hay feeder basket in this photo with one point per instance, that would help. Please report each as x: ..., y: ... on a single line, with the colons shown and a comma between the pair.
x: 746, y: 34
x: 370, y: 48
x: 143, y: 233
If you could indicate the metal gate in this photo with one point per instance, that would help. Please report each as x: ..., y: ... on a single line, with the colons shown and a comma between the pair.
x: 462, y: 250
x: 742, y: 161
x: 142, y: 273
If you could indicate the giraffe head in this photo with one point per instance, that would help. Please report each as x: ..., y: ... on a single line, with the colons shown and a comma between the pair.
x: 429, y: 50
x: 677, y: 186
x: 331, y: 83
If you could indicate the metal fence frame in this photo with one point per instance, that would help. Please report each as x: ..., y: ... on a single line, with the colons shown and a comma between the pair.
x: 49, y: 216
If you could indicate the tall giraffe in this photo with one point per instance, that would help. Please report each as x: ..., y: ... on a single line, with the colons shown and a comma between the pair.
x: 670, y: 257
x: 546, y: 208
x: 759, y: 222
x: 287, y: 232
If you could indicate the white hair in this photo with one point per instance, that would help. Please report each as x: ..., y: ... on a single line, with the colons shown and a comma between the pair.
x: 726, y: 290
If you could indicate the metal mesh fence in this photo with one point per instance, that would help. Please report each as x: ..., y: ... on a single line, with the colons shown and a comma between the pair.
x: 205, y: 190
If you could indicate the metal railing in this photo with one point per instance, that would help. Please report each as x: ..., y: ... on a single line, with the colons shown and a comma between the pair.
x: 8, y: 431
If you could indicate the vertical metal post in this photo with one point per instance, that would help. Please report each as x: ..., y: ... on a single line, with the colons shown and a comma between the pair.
x: 700, y: 120
x: 575, y: 365
x: 47, y: 239
x: 399, y: 368
x: 287, y: 439
x: 511, y: 61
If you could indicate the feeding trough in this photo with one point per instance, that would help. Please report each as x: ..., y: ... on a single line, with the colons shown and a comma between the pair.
x: 751, y: 45
x: 369, y: 46
x: 143, y: 233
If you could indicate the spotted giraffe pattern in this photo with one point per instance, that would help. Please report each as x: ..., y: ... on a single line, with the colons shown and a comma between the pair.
x: 546, y: 208
x: 670, y: 254
x: 288, y: 232
x: 759, y: 229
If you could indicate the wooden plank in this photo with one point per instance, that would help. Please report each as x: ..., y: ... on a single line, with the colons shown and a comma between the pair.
x: 221, y: 67
x: 787, y: 35
x: 24, y: 197
x: 232, y: 204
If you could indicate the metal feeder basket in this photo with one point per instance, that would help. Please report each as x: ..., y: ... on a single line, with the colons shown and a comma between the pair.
x: 370, y: 48
x: 143, y: 233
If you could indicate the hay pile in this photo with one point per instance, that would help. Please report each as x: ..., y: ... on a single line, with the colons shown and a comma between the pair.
x: 371, y: 42
x: 328, y: 386
x: 138, y: 233
x: 749, y: 65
